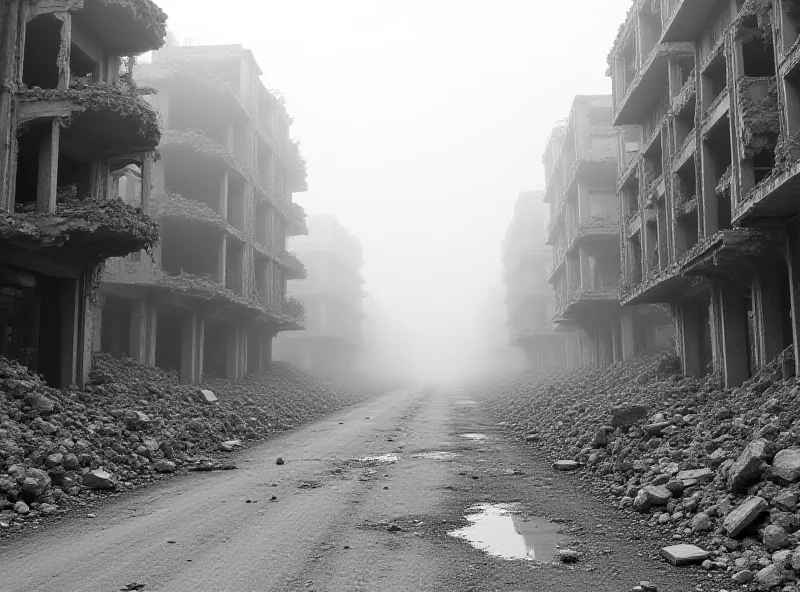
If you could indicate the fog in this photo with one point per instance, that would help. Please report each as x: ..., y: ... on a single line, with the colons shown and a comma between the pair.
x: 421, y: 122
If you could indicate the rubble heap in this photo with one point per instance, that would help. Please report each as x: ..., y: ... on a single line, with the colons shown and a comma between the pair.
x: 718, y: 468
x: 134, y: 421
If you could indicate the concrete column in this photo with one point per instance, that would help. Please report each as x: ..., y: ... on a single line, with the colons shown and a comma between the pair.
x: 85, y: 331
x: 97, y: 328
x: 627, y: 333
x: 730, y: 333
x: 137, y: 343
x: 68, y: 308
x: 585, y: 275
x: 222, y: 259
x: 616, y: 340
x: 47, y: 180
x: 767, y: 313
x: 189, y: 346
x: 201, y: 347
x: 223, y: 196
x: 147, y: 181
x: 266, y: 350
x: 573, y: 352
x: 793, y: 263
x: 152, y: 332
x: 233, y: 353
x: 689, y: 335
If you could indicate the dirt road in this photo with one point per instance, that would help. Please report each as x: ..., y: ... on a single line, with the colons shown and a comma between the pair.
x: 343, y: 524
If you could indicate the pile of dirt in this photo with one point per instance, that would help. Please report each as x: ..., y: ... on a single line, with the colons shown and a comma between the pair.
x: 132, y: 423
x: 714, y: 467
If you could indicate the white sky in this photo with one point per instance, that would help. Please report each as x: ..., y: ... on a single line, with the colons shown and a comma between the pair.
x: 421, y: 121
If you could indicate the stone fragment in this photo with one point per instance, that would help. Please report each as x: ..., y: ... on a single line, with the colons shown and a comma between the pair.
x: 786, y: 465
x: 230, y: 445
x: 747, y: 468
x: 655, y: 429
x: 702, y: 523
x: 206, y: 396
x: 566, y: 465
x: 99, y: 479
x: 771, y: 576
x: 684, y: 554
x: 695, y: 476
x: 743, y: 577
x: 627, y: 415
x: 165, y: 466
x: 652, y: 495
x: 786, y: 501
x: 795, y: 559
x: 775, y: 538
x: 743, y: 515
x: 21, y: 508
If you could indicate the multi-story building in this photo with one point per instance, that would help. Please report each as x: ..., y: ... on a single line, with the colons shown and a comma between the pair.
x: 332, y: 295
x: 529, y: 298
x: 70, y: 118
x: 213, y: 295
x: 581, y: 170
x: 707, y: 187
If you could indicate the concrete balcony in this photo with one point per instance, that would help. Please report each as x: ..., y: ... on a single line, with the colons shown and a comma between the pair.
x: 647, y: 86
x: 687, y: 18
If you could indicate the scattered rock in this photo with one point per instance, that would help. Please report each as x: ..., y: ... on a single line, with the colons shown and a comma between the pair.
x: 652, y: 495
x: 684, y: 554
x: 279, y: 461
x: 742, y: 516
x: 99, y: 479
x: 747, y: 467
x: 786, y: 465
x: 206, y: 396
x: 566, y: 465
x: 627, y: 415
x: 165, y: 466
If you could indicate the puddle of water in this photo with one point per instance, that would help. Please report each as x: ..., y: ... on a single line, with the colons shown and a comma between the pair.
x: 499, y: 530
x: 474, y: 436
x: 380, y: 459
x: 436, y: 455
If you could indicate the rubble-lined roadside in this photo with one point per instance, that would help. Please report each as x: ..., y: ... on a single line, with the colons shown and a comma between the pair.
x: 716, y: 468
x: 132, y: 423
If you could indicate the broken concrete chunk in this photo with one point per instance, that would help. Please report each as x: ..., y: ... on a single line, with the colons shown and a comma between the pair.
x: 165, y: 466
x: 786, y: 465
x: 695, y: 476
x: 771, y: 576
x: 743, y: 515
x: 747, y: 467
x: 652, y: 495
x: 684, y: 554
x: 628, y: 415
x: 230, y: 445
x: 99, y: 479
x: 206, y: 396
x: 566, y: 465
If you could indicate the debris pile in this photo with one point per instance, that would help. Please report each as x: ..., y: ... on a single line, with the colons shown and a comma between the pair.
x: 716, y: 470
x: 132, y: 422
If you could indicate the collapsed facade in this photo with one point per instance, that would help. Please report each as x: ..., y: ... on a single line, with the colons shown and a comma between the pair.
x: 711, y: 90
x: 529, y: 299
x: 581, y: 165
x: 332, y: 296
x: 71, y: 117
x: 212, y: 297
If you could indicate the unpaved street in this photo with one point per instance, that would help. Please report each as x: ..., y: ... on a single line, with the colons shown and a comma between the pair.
x: 338, y: 523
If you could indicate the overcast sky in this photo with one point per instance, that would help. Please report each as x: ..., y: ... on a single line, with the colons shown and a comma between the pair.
x: 421, y: 121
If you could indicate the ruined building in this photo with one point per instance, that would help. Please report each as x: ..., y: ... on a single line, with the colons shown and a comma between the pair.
x: 708, y: 183
x: 332, y: 295
x: 213, y: 296
x: 529, y: 298
x: 71, y: 117
x: 581, y: 171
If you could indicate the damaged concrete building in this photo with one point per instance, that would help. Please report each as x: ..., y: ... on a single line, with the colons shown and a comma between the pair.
x: 71, y: 117
x: 529, y: 299
x: 709, y: 199
x: 213, y: 295
x: 332, y: 296
x: 581, y: 168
